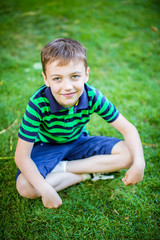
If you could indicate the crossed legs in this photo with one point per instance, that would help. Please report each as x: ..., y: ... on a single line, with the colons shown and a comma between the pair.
x: 119, y: 158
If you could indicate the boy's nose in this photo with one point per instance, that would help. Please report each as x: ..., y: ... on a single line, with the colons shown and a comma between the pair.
x: 67, y: 85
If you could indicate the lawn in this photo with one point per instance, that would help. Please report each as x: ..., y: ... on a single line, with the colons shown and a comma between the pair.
x: 123, y: 48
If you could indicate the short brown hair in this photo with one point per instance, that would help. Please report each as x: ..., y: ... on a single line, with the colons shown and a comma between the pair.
x: 64, y: 50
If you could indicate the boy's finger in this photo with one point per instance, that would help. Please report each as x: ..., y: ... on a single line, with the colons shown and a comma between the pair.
x: 127, y: 183
x: 124, y: 181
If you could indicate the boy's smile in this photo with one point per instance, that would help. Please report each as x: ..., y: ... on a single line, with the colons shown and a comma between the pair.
x: 66, y: 82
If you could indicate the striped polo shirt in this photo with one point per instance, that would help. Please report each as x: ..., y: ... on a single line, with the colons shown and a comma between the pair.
x: 46, y: 121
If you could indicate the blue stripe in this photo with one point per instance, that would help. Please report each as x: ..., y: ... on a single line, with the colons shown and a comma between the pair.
x: 101, y: 105
x: 65, y: 128
x: 33, y: 134
x: 111, y: 115
x: 114, y: 118
x: 26, y: 139
x: 34, y: 107
x: 106, y: 111
x: 66, y: 120
x: 56, y: 134
x: 32, y: 117
x: 67, y: 139
x: 43, y: 104
x: 95, y: 97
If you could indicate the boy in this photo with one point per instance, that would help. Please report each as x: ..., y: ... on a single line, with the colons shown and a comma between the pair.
x: 54, y: 151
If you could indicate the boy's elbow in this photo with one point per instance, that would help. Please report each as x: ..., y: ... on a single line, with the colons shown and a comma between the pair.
x: 23, y: 151
x: 133, y: 128
x: 130, y: 129
x: 16, y: 158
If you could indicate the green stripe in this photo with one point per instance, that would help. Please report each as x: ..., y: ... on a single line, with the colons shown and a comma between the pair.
x: 106, y: 104
x: 50, y: 117
x: 45, y: 109
x: 42, y: 139
x: 50, y: 135
x: 29, y: 129
x: 33, y: 112
x: 26, y: 136
x: 31, y: 121
x: 92, y: 93
x: 60, y: 130
x: 112, y: 117
x: 61, y: 124
x: 68, y: 124
x: 41, y: 100
x: 58, y: 139
x: 98, y: 102
x: 109, y: 112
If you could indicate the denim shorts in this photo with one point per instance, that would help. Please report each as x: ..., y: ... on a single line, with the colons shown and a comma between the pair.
x: 47, y: 155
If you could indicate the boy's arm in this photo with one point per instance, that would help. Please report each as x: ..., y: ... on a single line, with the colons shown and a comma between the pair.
x: 133, y: 142
x: 50, y: 198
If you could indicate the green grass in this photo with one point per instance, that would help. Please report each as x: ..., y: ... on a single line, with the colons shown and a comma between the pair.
x: 122, y: 40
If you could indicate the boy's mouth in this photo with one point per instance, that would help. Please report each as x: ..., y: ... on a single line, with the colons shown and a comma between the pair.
x: 67, y: 95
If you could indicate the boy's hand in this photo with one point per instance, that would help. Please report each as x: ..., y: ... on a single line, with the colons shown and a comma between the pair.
x: 134, y: 175
x: 50, y: 198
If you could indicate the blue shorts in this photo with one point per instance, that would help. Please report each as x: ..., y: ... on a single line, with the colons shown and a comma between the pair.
x: 47, y: 155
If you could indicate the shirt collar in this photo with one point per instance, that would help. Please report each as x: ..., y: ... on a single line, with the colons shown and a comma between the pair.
x: 55, y: 107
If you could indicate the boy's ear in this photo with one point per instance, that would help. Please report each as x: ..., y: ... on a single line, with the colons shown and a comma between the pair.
x: 87, y: 74
x: 45, y: 79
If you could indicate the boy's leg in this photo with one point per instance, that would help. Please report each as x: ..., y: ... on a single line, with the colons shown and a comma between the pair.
x: 58, y: 181
x: 46, y: 156
x: 120, y: 158
x: 25, y: 189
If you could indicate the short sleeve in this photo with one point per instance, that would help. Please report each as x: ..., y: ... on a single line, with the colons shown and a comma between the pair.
x: 30, y: 124
x: 104, y: 108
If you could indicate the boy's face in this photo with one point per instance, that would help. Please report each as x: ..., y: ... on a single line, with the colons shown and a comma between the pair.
x: 66, y: 82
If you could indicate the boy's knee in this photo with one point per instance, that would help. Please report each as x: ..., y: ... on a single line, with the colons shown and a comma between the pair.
x: 127, y: 157
x: 21, y: 185
x: 24, y: 188
x: 121, y: 149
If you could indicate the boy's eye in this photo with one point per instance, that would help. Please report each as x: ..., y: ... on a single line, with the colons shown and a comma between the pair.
x: 75, y: 77
x: 57, y: 79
